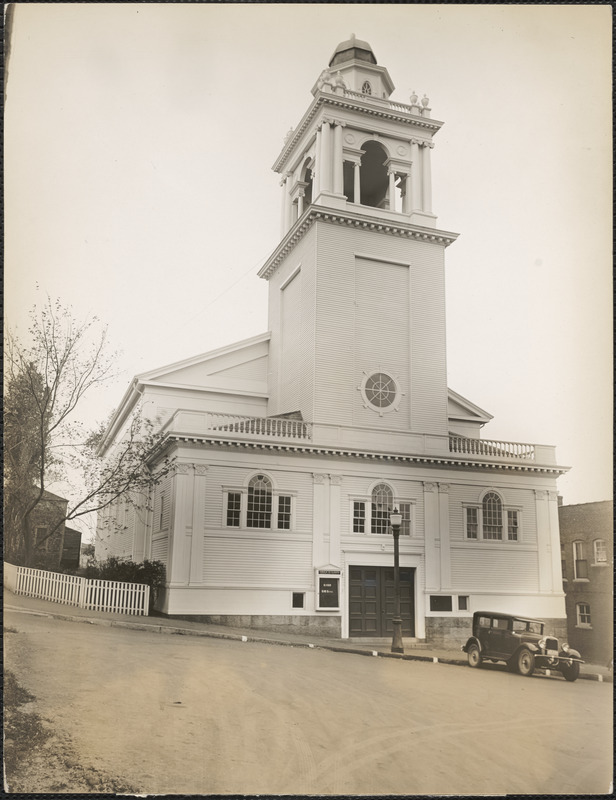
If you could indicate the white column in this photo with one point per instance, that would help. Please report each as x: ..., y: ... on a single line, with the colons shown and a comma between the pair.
x: 288, y: 203
x: 300, y: 203
x: 326, y: 158
x: 316, y: 170
x: 392, y: 189
x: 338, y: 160
x: 283, y: 207
x: 356, y: 183
x: 443, y: 508
x: 415, y: 177
x: 407, y: 204
x: 431, y: 523
x: 426, y: 179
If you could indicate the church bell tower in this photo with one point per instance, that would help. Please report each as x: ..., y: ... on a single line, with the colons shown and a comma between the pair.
x: 356, y: 285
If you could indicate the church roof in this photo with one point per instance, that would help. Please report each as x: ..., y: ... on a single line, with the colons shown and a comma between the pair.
x: 350, y: 49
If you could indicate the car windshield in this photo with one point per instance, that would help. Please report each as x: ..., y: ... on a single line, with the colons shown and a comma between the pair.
x: 527, y: 626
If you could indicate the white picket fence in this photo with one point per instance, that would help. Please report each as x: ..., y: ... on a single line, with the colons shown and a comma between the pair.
x: 71, y: 590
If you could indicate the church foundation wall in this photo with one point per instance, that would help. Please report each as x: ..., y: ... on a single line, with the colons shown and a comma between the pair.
x: 324, y: 627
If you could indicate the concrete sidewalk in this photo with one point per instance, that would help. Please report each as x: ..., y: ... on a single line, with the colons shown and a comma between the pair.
x: 161, y: 624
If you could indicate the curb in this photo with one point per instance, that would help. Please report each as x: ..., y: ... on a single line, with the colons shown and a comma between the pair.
x: 238, y: 637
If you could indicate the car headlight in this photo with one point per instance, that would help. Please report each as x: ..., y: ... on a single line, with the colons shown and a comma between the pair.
x: 565, y: 647
x: 541, y: 643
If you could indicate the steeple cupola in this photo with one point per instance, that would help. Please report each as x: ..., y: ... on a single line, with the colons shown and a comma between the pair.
x: 355, y: 149
x: 351, y: 49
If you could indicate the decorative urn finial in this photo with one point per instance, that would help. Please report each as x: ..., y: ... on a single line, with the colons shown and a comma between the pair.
x: 339, y: 81
x: 424, y: 101
x: 414, y: 98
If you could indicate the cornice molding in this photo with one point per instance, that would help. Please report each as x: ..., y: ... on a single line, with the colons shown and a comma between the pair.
x: 353, y: 220
x: 367, y: 455
x: 339, y: 101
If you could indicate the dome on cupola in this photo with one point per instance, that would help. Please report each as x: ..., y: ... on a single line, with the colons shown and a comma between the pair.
x: 352, y: 49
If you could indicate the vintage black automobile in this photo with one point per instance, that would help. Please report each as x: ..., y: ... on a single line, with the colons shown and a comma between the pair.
x: 521, y: 643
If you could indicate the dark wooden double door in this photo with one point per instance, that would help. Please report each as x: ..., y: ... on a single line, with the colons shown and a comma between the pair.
x: 372, y: 601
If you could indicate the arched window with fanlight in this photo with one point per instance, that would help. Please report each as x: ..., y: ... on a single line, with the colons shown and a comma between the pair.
x: 258, y: 505
x: 491, y: 520
x: 492, y: 516
x: 371, y: 515
x: 259, y: 510
x: 382, y: 505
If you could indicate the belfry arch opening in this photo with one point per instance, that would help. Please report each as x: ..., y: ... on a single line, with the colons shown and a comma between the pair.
x: 306, y: 179
x: 373, y: 176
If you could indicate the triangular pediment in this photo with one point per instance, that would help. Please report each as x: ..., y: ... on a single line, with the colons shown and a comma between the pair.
x: 240, y: 366
x: 459, y: 408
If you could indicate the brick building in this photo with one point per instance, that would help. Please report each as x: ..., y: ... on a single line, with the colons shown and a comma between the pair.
x: 47, y: 513
x: 587, y: 552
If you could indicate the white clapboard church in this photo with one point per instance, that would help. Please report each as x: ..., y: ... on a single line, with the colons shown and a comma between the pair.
x: 293, y: 447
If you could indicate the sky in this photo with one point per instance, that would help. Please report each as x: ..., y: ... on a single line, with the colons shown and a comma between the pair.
x: 139, y: 140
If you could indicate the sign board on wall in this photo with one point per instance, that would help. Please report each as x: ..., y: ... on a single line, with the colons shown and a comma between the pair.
x: 328, y: 590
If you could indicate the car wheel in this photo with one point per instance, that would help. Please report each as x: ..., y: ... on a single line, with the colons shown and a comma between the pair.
x: 526, y: 662
x: 570, y: 672
x: 474, y: 656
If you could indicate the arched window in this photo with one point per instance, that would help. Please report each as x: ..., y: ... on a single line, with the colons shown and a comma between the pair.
x: 490, y: 519
x: 259, y: 512
x: 382, y: 504
x: 258, y: 505
x: 492, y: 516
x: 366, y: 88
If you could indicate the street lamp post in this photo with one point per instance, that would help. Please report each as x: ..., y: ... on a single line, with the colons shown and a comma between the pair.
x: 395, y: 519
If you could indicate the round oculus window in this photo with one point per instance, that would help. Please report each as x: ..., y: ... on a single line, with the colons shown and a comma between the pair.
x: 380, y: 390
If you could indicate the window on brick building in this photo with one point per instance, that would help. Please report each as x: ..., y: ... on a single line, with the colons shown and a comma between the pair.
x: 583, y: 615
x: 580, y: 564
x: 600, y: 551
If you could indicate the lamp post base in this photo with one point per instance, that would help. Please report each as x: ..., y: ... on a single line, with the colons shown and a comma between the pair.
x: 396, y: 645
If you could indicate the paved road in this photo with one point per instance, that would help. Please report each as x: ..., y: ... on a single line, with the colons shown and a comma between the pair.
x: 173, y: 714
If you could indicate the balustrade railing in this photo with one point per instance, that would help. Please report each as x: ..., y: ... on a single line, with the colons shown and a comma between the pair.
x: 492, y: 448
x: 392, y: 104
x: 272, y: 427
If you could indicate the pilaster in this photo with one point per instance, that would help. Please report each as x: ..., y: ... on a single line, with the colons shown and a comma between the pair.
x: 432, y: 541
x: 557, y: 575
x: 198, y: 526
x: 335, y: 482
x: 178, y: 568
x: 544, y: 541
x: 320, y: 517
x: 443, y: 499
